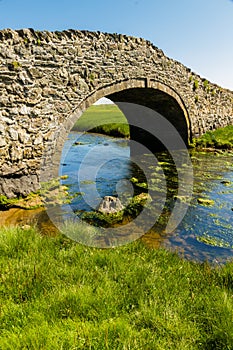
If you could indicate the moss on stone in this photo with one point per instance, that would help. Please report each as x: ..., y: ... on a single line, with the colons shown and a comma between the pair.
x: 31, y: 201
x: 131, y: 211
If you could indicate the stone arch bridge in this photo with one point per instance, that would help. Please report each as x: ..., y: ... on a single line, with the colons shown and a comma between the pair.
x: 47, y: 79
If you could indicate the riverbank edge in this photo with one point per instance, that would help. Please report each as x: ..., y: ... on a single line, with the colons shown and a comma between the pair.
x: 51, y: 192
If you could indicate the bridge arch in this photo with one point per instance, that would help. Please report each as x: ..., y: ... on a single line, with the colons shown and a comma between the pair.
x: 143, y: 91
x: 48, y: 79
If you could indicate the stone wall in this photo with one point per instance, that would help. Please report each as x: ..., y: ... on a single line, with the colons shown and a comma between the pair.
x: 48, y: 78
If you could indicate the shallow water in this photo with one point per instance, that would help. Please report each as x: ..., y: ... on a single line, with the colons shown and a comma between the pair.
x: 98, y: 165
x: 206, y: 232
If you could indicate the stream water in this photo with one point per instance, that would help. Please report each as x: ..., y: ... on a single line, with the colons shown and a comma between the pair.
x: 97, y: 166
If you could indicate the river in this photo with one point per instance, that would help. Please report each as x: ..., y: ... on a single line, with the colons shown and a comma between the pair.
x: 96, y: 166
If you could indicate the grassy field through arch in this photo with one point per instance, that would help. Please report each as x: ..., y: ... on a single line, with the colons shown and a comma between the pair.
x: 104, y: 114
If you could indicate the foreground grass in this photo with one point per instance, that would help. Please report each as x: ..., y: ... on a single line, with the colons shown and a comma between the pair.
x: 97, y: 117
x: 220, y: 138
x: 57, y: 294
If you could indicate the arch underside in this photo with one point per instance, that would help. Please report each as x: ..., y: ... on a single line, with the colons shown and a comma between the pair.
x: 160, y: 102
x: 142, y: 91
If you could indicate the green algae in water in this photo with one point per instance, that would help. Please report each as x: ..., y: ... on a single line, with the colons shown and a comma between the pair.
x: 87, y: 182
x: 213, y: 241
x: 226, y: 183
x: 205, y: 201
x: 134, y: 180
x: 142, y: 185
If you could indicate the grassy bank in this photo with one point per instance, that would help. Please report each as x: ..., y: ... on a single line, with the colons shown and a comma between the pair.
x: 57, y: 294
x: 221, y: 138
x: 96, y: 117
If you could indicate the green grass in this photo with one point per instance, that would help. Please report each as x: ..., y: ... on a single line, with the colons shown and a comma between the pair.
x: 57, y: 294
x: 96, y: 117
x: 221, y: 138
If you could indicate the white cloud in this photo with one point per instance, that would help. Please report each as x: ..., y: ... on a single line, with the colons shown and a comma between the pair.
x: 103, y: 101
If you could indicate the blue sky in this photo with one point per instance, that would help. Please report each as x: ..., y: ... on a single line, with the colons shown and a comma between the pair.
x: 198, y: 33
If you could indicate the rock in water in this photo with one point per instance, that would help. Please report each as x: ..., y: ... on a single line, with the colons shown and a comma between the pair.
x: 110, y: 205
